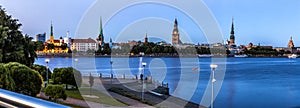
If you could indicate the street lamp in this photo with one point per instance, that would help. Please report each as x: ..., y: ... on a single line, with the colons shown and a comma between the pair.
x: 213, y: 80
x: 111, y: 76
x: 76, y: 60
x: 144, y: 64
x: 47, y: 61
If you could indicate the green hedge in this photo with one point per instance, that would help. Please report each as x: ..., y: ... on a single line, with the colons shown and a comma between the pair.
x: 56, y: 92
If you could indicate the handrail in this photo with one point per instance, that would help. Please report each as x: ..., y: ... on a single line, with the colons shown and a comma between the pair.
x: 16, y: 99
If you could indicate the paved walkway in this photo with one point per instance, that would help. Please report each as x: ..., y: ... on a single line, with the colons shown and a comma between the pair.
x: 168, y: 101
x: 98, y: 85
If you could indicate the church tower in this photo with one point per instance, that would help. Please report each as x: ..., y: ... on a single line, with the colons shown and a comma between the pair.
x: 100, y: 38
x: 175, y: 34
x: 291, y: 43
x: 232, y: 37
x: 146, y: 39
x: 51, y: 34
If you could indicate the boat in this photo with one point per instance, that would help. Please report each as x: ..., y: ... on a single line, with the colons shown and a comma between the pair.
x: 241, y: 56
x: 205, y: 55
x: 293, y: 56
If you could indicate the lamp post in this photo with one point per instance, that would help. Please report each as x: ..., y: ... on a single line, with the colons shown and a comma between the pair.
x: 111, y: 76
x: 47, y: 61
x: 76, y: 60
x: 213, y: 80
x: 144, y: 64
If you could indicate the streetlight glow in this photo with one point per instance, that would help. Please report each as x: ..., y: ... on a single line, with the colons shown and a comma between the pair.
x: 47, y: 60
x: 213, y: 66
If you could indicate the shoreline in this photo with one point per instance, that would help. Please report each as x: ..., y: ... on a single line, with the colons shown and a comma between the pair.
x: 125, y: 56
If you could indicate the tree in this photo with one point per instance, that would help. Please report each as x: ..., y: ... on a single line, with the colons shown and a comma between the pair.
x: 50, y: 46
x: 91, y: 81
x: 27, y: 81
x: 39, y: 46
x: 55, y: 92
x: 64, y: 46
x: 6, y: 81
x: 14, y: 46
x: 42, y: 70
x: 29, y: 51
x: 68, y: 76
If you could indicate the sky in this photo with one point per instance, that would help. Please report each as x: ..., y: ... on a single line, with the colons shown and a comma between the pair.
x: 268, y: 22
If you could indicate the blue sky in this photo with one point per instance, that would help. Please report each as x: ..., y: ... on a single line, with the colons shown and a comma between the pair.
x: 268, y: 22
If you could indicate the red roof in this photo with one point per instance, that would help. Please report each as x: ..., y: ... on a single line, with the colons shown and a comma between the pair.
x: 89, y: 40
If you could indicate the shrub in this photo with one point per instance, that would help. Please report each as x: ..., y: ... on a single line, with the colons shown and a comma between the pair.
x: 55, y: 92
x: 6, y: 81
x: 42, y: 70
x: 68, y: 76
x: 27, y: 81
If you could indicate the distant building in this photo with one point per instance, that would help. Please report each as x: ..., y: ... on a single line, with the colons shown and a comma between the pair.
x: 133, y: 43
x: 58, y: 45
x: 67, y: 39
x: 175, y: 34
x: 41, y: 37
x: 291, y: 43
x: 291, y: 46
x: 231, y: 46
x: 100, y: 38
x: 232, y: 37
x: 146, y: 39
x: 82, y: 45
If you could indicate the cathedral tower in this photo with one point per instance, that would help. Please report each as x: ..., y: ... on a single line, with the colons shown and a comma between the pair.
x: 291, y: 43
x: 51, y: 34
x: 100, y: 38
x: 175, y: 34
x: 232, y: 37
x: 146, y: 39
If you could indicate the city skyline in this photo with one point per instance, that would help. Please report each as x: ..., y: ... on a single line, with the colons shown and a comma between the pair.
x: 265, y: 22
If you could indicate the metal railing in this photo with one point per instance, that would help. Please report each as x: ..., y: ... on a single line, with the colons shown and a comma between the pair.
x: 15, y: 100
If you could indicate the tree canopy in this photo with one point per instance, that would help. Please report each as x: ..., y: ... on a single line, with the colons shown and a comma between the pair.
x: 42, y: 70
x: 27, y: 81
x: 6, y: 81
x: 14, y: 47
x: 68, y: 76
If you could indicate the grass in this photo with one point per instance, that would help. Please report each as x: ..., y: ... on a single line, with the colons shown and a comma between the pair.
x: 103, y: 98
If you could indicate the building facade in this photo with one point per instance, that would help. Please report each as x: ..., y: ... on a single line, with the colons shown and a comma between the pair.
x: 83, y: 45
x: 55, y: 46
x: 41, y: 37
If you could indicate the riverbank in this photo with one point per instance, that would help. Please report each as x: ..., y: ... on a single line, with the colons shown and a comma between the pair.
x: 125, y: 56
x: 133, y: 87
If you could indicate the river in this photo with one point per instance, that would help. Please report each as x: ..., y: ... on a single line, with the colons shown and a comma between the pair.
x: 248, y: 82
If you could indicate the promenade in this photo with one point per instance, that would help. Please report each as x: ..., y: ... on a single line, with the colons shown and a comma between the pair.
x: 134, y: 86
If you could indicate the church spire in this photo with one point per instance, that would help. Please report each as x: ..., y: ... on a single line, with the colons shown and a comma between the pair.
x: 51, y: 30
x: 232, y: 27
x: 146, y: 38
x: 101, y: 29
